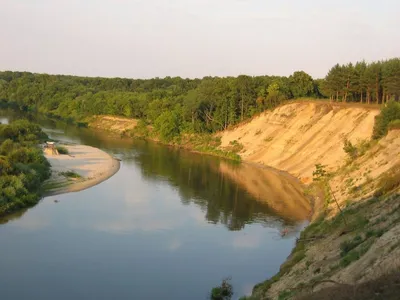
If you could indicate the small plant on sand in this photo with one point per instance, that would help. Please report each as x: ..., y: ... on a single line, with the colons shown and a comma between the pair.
x: 235, y: 146
x: 320, y: 172
x: 350, y: 149
x: 62, y: 150
x: 71, y: 174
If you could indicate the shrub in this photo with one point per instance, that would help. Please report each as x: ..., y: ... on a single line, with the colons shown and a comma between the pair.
x: 235, y: 146
x: 320, y: 173
x: 350, y: 149
x: 349, y: 258
x: 222, y: 292
x: 23, y: 168
x: 168, y: 125
x: 389, y: 114
x: 389, y: 181
x: 62, y: 150
x: 347, y: 246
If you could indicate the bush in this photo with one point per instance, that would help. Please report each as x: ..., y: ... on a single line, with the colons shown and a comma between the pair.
x: 235, y: 146
x: 389, y: 181
x: 320, y: 172
x: 350, y: 149
x: 389, y: 114
x: 23, y: 168
x: 347, y: 246
x: 62, y: 150
x: 222, y: 292
x: 349, y: 258
x: 168, y: 125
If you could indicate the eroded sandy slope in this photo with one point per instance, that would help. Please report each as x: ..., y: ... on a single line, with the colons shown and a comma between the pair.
x: 296, y: 136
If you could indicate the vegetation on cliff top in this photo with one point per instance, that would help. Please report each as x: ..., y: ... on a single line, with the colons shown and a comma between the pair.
x: 176, y: 106
x: 23, y: 168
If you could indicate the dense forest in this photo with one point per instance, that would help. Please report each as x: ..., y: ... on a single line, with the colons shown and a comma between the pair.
x: 175, y: 105
x: 377, y: 82
x: 23, y: 168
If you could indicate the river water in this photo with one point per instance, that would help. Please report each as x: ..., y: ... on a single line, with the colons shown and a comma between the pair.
x: 169, y: 225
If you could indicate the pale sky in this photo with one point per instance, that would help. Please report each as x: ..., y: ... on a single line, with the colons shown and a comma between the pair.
x: 194, y: 38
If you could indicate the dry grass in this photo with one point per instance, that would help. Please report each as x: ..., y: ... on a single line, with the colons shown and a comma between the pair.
x: 386, y: 287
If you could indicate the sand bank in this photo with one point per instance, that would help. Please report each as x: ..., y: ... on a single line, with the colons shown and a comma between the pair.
x: 92, y: 165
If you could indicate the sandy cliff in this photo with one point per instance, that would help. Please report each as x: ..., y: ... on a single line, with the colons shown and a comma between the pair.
x: 296, y: 136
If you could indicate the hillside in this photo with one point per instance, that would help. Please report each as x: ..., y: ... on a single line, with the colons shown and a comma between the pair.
x: 296, y: 136
x: 334, y: 251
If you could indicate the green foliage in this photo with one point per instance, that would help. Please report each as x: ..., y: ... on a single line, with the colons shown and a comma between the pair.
x: 389, y: 114
x: 301, y: 84
x: 23, y: 167
x: 62, y: 150
x: 141, y: 129
x: 222, y: 292
x: 389, y: 181
x: 71, y: 174
x: 206, y: 105
x: 286, y: 294
x: 394, y: 125
x: 320, y: 172
x: 168, y: 125
x: 376, y: 82
x: 349, y: 258
x: 235, y: 146
x: 346, y: 246
x: 350, y: 149
x: 208, y: 144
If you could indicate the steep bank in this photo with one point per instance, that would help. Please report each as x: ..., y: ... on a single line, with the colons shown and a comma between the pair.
x: 351, y: 250
x: 365, y: 244
x: 296, y: 136
x: 82, y: 168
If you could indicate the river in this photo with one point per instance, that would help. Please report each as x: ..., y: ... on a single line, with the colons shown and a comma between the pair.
x: 169, y: 225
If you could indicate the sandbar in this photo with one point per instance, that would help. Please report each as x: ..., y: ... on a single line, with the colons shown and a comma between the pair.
x: 92, y: 165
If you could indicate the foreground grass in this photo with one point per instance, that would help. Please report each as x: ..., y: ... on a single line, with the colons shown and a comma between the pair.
x: 359, y: 234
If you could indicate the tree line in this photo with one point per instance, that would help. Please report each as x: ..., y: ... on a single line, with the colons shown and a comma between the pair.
x: 199, y: 105
x: 23, y: 168
x: 175, y: 105
x: 376, y: 82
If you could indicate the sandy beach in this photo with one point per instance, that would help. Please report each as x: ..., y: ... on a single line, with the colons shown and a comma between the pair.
x: 91, y: 165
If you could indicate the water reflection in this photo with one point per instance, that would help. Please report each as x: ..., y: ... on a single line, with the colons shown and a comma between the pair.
x: 168, y: 217
x: 228, y: 193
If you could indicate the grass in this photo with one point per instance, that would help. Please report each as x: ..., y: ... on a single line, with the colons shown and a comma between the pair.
x: 52, y: 185
x: 71, y: 174
x: 235, y: 146
x: 208, y: 144
x: 389, y: 182
x: 286, y: 294
x: 394, y: 125
x: 385, y: 287
x: 349, y: 245
x: 62, y: 150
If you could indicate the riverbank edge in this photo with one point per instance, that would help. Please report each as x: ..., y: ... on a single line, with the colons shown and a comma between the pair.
x: 319, y: 197
x: 83, y: 183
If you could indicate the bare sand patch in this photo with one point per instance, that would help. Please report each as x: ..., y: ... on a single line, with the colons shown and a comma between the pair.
x: 91, y: 165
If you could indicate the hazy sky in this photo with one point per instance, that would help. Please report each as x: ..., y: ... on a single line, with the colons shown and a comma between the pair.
x: 194, y: 38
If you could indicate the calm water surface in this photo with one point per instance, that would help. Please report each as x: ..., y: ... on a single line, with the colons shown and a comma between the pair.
x: 169, y: 225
